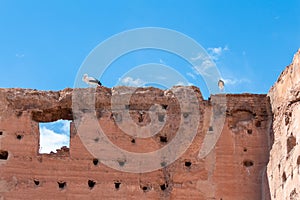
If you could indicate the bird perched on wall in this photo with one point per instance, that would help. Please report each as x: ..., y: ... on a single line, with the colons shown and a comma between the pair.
x: 91, y: 80
x: 221, y: 84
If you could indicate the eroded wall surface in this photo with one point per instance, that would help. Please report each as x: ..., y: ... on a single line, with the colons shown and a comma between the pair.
x: 235, y: 168
x: 283, y: 168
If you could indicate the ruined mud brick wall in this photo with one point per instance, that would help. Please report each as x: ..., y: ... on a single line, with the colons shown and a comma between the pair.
x: 284, y: 165
x: 234, y: 169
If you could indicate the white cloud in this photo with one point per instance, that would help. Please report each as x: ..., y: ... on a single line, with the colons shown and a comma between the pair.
x: 180, y: 83
x: 204, y: 67
x: 65, y: 125
x: 207, y: 60
x: 216, y: 52
x: 129, y: 81
x: 51, y: 140
x: 234, y: 81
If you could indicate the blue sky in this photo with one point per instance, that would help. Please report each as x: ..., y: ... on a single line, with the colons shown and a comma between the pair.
x: 54, y: 135
x: 44, y: 43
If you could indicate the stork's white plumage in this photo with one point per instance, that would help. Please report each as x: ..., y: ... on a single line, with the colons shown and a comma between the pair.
x: 91, y: 80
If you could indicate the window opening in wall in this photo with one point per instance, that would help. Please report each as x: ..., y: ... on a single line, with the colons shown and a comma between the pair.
x: 54, y: 135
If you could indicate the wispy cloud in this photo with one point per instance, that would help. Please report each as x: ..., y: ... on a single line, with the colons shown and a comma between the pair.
x: 216, y: 52
x: 18, y: 55
x: 206, y: 60
x: 180, y: 83
x: 129, y: 81
x: 203, y: 63
x: 55, y: 137
x: 191, y: 75
x: 234, y: 81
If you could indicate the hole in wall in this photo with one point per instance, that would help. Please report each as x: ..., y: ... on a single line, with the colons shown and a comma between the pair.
x: 145, y: 188
x: 1, y: 132
x: 164, y: 186
x: 210, y: 128
x: 249, y: 131
x: 121, y: 162
x: 95, y: 161
x: 258, y: 124
x: 248, y: 163
x: 19, y: 137
x: 54, y: 135
x: 127, y: 107
x: 187, y: 163
x: 185, y: 115
x: 141, y: 117
x: 61, y: 185
x: 133, y: 141
x: 3, y: 155
x: 163, y: 164
x: 164, y: 106
x: 298, y: 160
x: 91, y: 184
x: 99, y: 113
x: 294, y: 195
x: 36, y: 182
x: 290, y: 143
x: 284, y: 177
x: 287, y: 120
x: 117, y: 117
x: 161, y: 117
x: 245, y: 149
x: 117, y: 185
x: 163, y: 139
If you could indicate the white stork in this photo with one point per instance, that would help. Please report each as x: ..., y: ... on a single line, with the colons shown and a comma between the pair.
x: 91, y: 80
x: 221, y: 84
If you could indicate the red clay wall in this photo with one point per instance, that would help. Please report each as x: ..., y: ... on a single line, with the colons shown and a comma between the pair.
x: 234, y: 169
